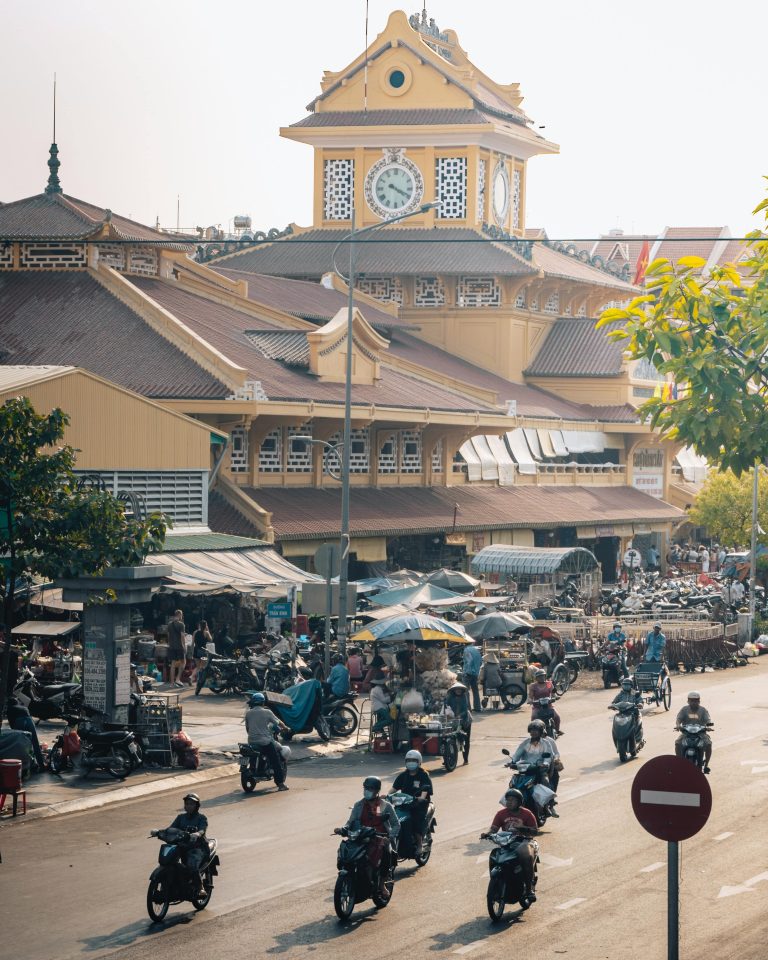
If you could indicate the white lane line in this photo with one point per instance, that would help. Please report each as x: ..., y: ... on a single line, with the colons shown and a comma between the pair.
x: 652, y: 866
x: 570, y: 903
x: 470, y: 946
x: 763, y: 769
x: 670, y: 798
x: 732, y: 891
x: 757, y: 879
x: 549, y: 861
x: 723, y: 836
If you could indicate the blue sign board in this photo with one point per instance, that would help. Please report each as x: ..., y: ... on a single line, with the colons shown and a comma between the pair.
x: 279, y: 611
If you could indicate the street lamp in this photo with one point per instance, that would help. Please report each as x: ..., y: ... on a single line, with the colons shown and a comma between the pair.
x: 346, y: 441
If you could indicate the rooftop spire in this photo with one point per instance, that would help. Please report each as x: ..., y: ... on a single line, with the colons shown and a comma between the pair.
x: 54, y: 184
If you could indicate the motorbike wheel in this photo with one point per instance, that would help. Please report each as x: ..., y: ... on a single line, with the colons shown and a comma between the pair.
x: 200, y: 903
x: 344, y: 896
x: 157, y: 901
x: 632, y: 747
x: 422, y: 858
x: 323, y: 728
x: 623, y: 751
x: 247, y: 781
x: 450, y: 754
x: 561, y: 679
x: 287, y: 735
x: 382, y: 896
x: 495, y: 899
x: 120, y: 764
x: 343, y: 722
x: 666, y: 693
x: 516, y: 696
x: 57, y: 761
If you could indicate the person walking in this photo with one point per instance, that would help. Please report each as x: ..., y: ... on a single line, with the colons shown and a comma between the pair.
x: 177, y: 648
x: 473, y: 660
x: 655, y: 643
x: 201, y: 637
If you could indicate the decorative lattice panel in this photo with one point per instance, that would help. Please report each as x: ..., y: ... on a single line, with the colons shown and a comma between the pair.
x: 143, y: 262
x: 481, y: 177
x: 520, y: 299
x: 568, y: 311
x: 429, y: 292
x: 410, y: 451
x: 250, y: 390
x: 533, y: 304
x: 339, y: 177
x: 437, y: 457
x: 271, y: 453
x: 298, y: 460
x: 478, y: 292
x: 6, y: 257
x: 386, y: 289
x: 360, y: 451
x: 182, y: 494
x: 553, y: 303
x: 451, y: 187
x: 582, y: 311
x: 388, y: 455
x: 54, y: 256
x: 238, y: 450
x: 516, y: 200
x: 112, y: 255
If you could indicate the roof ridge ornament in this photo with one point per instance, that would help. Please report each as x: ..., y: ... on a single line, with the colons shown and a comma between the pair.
x: 54, y: 184
x: 440, y: 42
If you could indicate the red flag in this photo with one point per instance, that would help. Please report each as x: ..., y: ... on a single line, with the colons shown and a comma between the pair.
x: 642, y: 264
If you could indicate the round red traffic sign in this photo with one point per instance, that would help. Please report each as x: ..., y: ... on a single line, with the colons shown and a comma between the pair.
x: 671, y: 798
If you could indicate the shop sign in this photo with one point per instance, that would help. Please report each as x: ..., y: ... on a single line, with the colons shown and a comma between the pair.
x: 648, y: 471
x: 455, y: 540
x: 279, y: 611
x: 95, y: 677
x: 478, y: 542
x: 605, y: 531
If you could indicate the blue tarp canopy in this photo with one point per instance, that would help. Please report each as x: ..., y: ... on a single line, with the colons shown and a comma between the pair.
x: 534, y: 561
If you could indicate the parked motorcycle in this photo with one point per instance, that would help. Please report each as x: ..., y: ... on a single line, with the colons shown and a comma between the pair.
x: 627, y: 729
x: 610, y: 664
x: 222, y: 675
x: 306, y: 711
x: 256, y: 767
x: 171, y: 881
x: 693, y: 742
x: 529, y: 780
x: 281, y: 673
x: 406, y: 848
x: 52, y: 701
x: 358, y: 880
x: 506, y: 883
x: 546, y: 715
x: 341, y: 714
x: 86, y: 747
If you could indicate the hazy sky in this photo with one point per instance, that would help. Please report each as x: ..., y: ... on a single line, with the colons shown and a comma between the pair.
x: 658, y: 106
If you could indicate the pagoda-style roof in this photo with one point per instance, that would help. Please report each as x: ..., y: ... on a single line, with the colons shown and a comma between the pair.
x: 575, y: 348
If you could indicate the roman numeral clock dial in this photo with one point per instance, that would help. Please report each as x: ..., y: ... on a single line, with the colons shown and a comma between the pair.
x: 393, y: 185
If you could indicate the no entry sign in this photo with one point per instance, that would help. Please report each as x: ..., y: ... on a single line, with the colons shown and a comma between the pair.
x: 671, y: 798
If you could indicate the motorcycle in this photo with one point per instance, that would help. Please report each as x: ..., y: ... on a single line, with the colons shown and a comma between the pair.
x: 506, y: 883
x: 546, y: 715
x: 86, y: 747
x: 529, y: 780
x: 693, y: 742
x: 228, y: 675
x: 171, y: 881
x: 256, y: 767
x: 358, y: 880
x: 281, y: 673
x: 48, y: 701
x: 627, y: 729
x: 406, y: 848
x: 306, y: 711
x: 341, y: 714
x: 610, y: 664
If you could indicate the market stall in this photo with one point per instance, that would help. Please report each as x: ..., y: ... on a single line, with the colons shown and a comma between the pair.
x: 55, y: 649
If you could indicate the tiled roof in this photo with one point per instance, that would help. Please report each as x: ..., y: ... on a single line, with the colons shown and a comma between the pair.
x: 305, y: 299
x: 69, y: 318
x: 574, y: 348
x: 396, y: 250
x: 224, y: 518
x: 689, y: 242
x: 287, y: 346
x: 380, y: 118
x: 556, y: 264
x: 207, y: 541
x: 614, y: 413
x: 312, y: 513
x: 627, y: 249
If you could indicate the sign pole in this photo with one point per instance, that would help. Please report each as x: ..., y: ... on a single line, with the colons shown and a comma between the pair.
x: 673, y: 900
x: 328, y: 605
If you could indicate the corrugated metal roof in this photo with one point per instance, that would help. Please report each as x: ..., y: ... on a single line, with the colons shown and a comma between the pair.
x: 381, y: 118
x: 12, y: 377
x: 180, y: 543
x: 518, y: 561
x: 224, y: 518
x: 574, y: 348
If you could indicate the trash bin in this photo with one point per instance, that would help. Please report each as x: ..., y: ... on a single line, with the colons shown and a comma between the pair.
x: 10, y: 775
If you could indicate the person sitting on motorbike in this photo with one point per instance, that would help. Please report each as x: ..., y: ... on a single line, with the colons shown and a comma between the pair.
x: 338, y: 679
x: 630, y: 694
x: 693, y: 712
x: 260, y: 723
x: 541, y: 687
x: 195, y: 824
x: 416, y: 782
x: 457, y: 701
x: 518, y: 819
x: 533, y: 748
x: 492, y: 680
x: 619, y: 638
x: 655, y: 643
x: 374, y: 811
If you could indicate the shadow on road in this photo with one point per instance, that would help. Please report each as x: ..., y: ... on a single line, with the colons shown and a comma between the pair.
x: 323, y: 931
x: 131, y: 933
x: 473, y: 930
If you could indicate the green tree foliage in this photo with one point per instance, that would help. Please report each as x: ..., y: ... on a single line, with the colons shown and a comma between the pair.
x: 724, y: 506
x: 710, y: 336
x: 48, y: 526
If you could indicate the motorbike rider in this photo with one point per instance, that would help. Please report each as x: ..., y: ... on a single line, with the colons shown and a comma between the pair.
x: 195, y: 824
x: 416, y: 782
x: 338, y: 679
x: 693, y: 712
x: 457, y: 701
x: 533, y: 748
x: 541, y: 687
x: 630, y: 694
x: 516, y: 818
x: 260, y: 723
x: 619, y: 638
x: 655, y: 643
x: 374, y: 811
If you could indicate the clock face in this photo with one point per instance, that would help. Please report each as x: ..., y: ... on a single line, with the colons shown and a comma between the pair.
x: 500, y: 194
x: 394, y: 188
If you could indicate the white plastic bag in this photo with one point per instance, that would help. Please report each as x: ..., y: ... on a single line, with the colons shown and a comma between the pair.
x: 542, y: 795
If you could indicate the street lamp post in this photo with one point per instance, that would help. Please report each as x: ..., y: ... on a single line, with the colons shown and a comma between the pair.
x: 346, y: 441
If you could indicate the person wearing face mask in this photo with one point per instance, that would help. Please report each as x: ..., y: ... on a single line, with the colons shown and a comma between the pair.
x: 416, y: 782
x: 374, y: 811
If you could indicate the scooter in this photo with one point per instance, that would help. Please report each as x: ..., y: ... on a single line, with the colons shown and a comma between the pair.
x: 306, y: 711
x: 406, y: 848
x: 172, y: 882
x: 610, y: 664
x: 358, y: 880
x: 537, y: 796
x: 115, y: 752
x: 341, y: 714
x: 51, y: 701
x: 506, y: 884
x: 546, y: 715
x: 256, y: 767
x: 627, y: 729
x: 693, y: 742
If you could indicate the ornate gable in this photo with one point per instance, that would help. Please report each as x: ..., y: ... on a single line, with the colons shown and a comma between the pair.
x: 328, y: 350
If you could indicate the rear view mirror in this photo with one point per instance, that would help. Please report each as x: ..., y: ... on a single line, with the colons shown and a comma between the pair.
x: 505, y: 751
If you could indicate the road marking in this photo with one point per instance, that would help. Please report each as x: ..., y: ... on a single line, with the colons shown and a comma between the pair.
x: 570, y: 903
x: 470, y: 946
x: 763, y: 769
x: 670, y: 798
x: 549, y: 861
x: 758, y: 879
x: 732, y: 891
x: 652, y: 866
x: 723, y: 836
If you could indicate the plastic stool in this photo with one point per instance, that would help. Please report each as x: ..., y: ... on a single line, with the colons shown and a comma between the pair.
x: 493, y: 697
x: 15, y: 794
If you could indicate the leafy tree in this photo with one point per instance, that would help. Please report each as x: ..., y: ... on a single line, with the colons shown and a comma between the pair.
x: 724, y: 506
x: 48, y: 526
x: 710, y: 335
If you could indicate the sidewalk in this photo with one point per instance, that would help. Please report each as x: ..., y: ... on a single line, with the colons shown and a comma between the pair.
x: 213, y: 724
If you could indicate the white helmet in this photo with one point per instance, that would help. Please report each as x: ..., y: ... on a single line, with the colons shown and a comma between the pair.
x: 413, y: 755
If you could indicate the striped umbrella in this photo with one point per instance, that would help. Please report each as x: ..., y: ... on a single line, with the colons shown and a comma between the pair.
x: 412, y: 628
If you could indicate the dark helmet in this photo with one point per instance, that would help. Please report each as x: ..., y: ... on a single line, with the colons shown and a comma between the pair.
x: 337, y: 658
x: 514, y: 793
x: 372, y: 783
x: 540, y: 672
x: 627, y: 683
x: 193, y: 797
x: 536, y: 725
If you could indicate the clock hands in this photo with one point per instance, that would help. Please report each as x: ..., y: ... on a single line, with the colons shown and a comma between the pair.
x: 398, y: 190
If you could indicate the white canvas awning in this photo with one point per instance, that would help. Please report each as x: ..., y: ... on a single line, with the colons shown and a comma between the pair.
x: 243, y: 571
x: 532, y: 436
x: 518, y: 447
x: 558, y: 444
x: 505, y: 462
x: 694, y: 466
x: 474, y: 470
x: 545, y: 441
x: 584, y: 441
x: 488, y: 465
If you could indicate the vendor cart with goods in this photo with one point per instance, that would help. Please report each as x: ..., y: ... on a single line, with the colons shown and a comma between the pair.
x: 436, y: 735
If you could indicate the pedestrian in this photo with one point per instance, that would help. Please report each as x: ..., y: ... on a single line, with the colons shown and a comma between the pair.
x: 457, y: 701
x: 704, y: 558
x: 652, y: 558
x: 380, y: 705
x: 355, y: 665
x: 19, y: 718
x: 200, y: 640
x: 473, y: 660
x: 177, y: 648
x: 655, y: 643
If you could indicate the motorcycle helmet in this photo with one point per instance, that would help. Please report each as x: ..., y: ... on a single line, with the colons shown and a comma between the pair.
x: 627, y: 683
x: 536, y: 725
x: 257, y: 700
x: 413, y: 755
x: 372, y: 783
x: 539, y: 673
x: 513, y: 792
x: 694, y: 695
x: 617, y: 626
x: 193, y: 797
x: 336, y: 658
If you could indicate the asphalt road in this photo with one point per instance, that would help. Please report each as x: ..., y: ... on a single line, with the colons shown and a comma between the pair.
x: 75, y: 886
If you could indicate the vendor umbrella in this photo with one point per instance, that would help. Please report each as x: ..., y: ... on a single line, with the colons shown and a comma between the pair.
x: 422, y: 593
x: 453, y: 580
x: 412, y: 628
x: 498, y: 624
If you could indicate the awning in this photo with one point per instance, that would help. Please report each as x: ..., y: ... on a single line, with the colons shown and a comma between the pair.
x: 474, y: 471
x: 694, y: 466
x: 518, y: 447
x: 545, y: 440
x: 518, y: 561
x: 505, y: 462
x: 532, y: 436
x: 241, y: 571
x: 584, y: 441
x: 558, y: 444
x: 489, y: 467
x: 45, y: 628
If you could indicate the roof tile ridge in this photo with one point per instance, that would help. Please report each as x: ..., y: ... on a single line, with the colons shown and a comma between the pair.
x: 71, y: 203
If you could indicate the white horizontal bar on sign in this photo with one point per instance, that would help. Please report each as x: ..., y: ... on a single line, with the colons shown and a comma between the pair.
x: 670, y: 798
